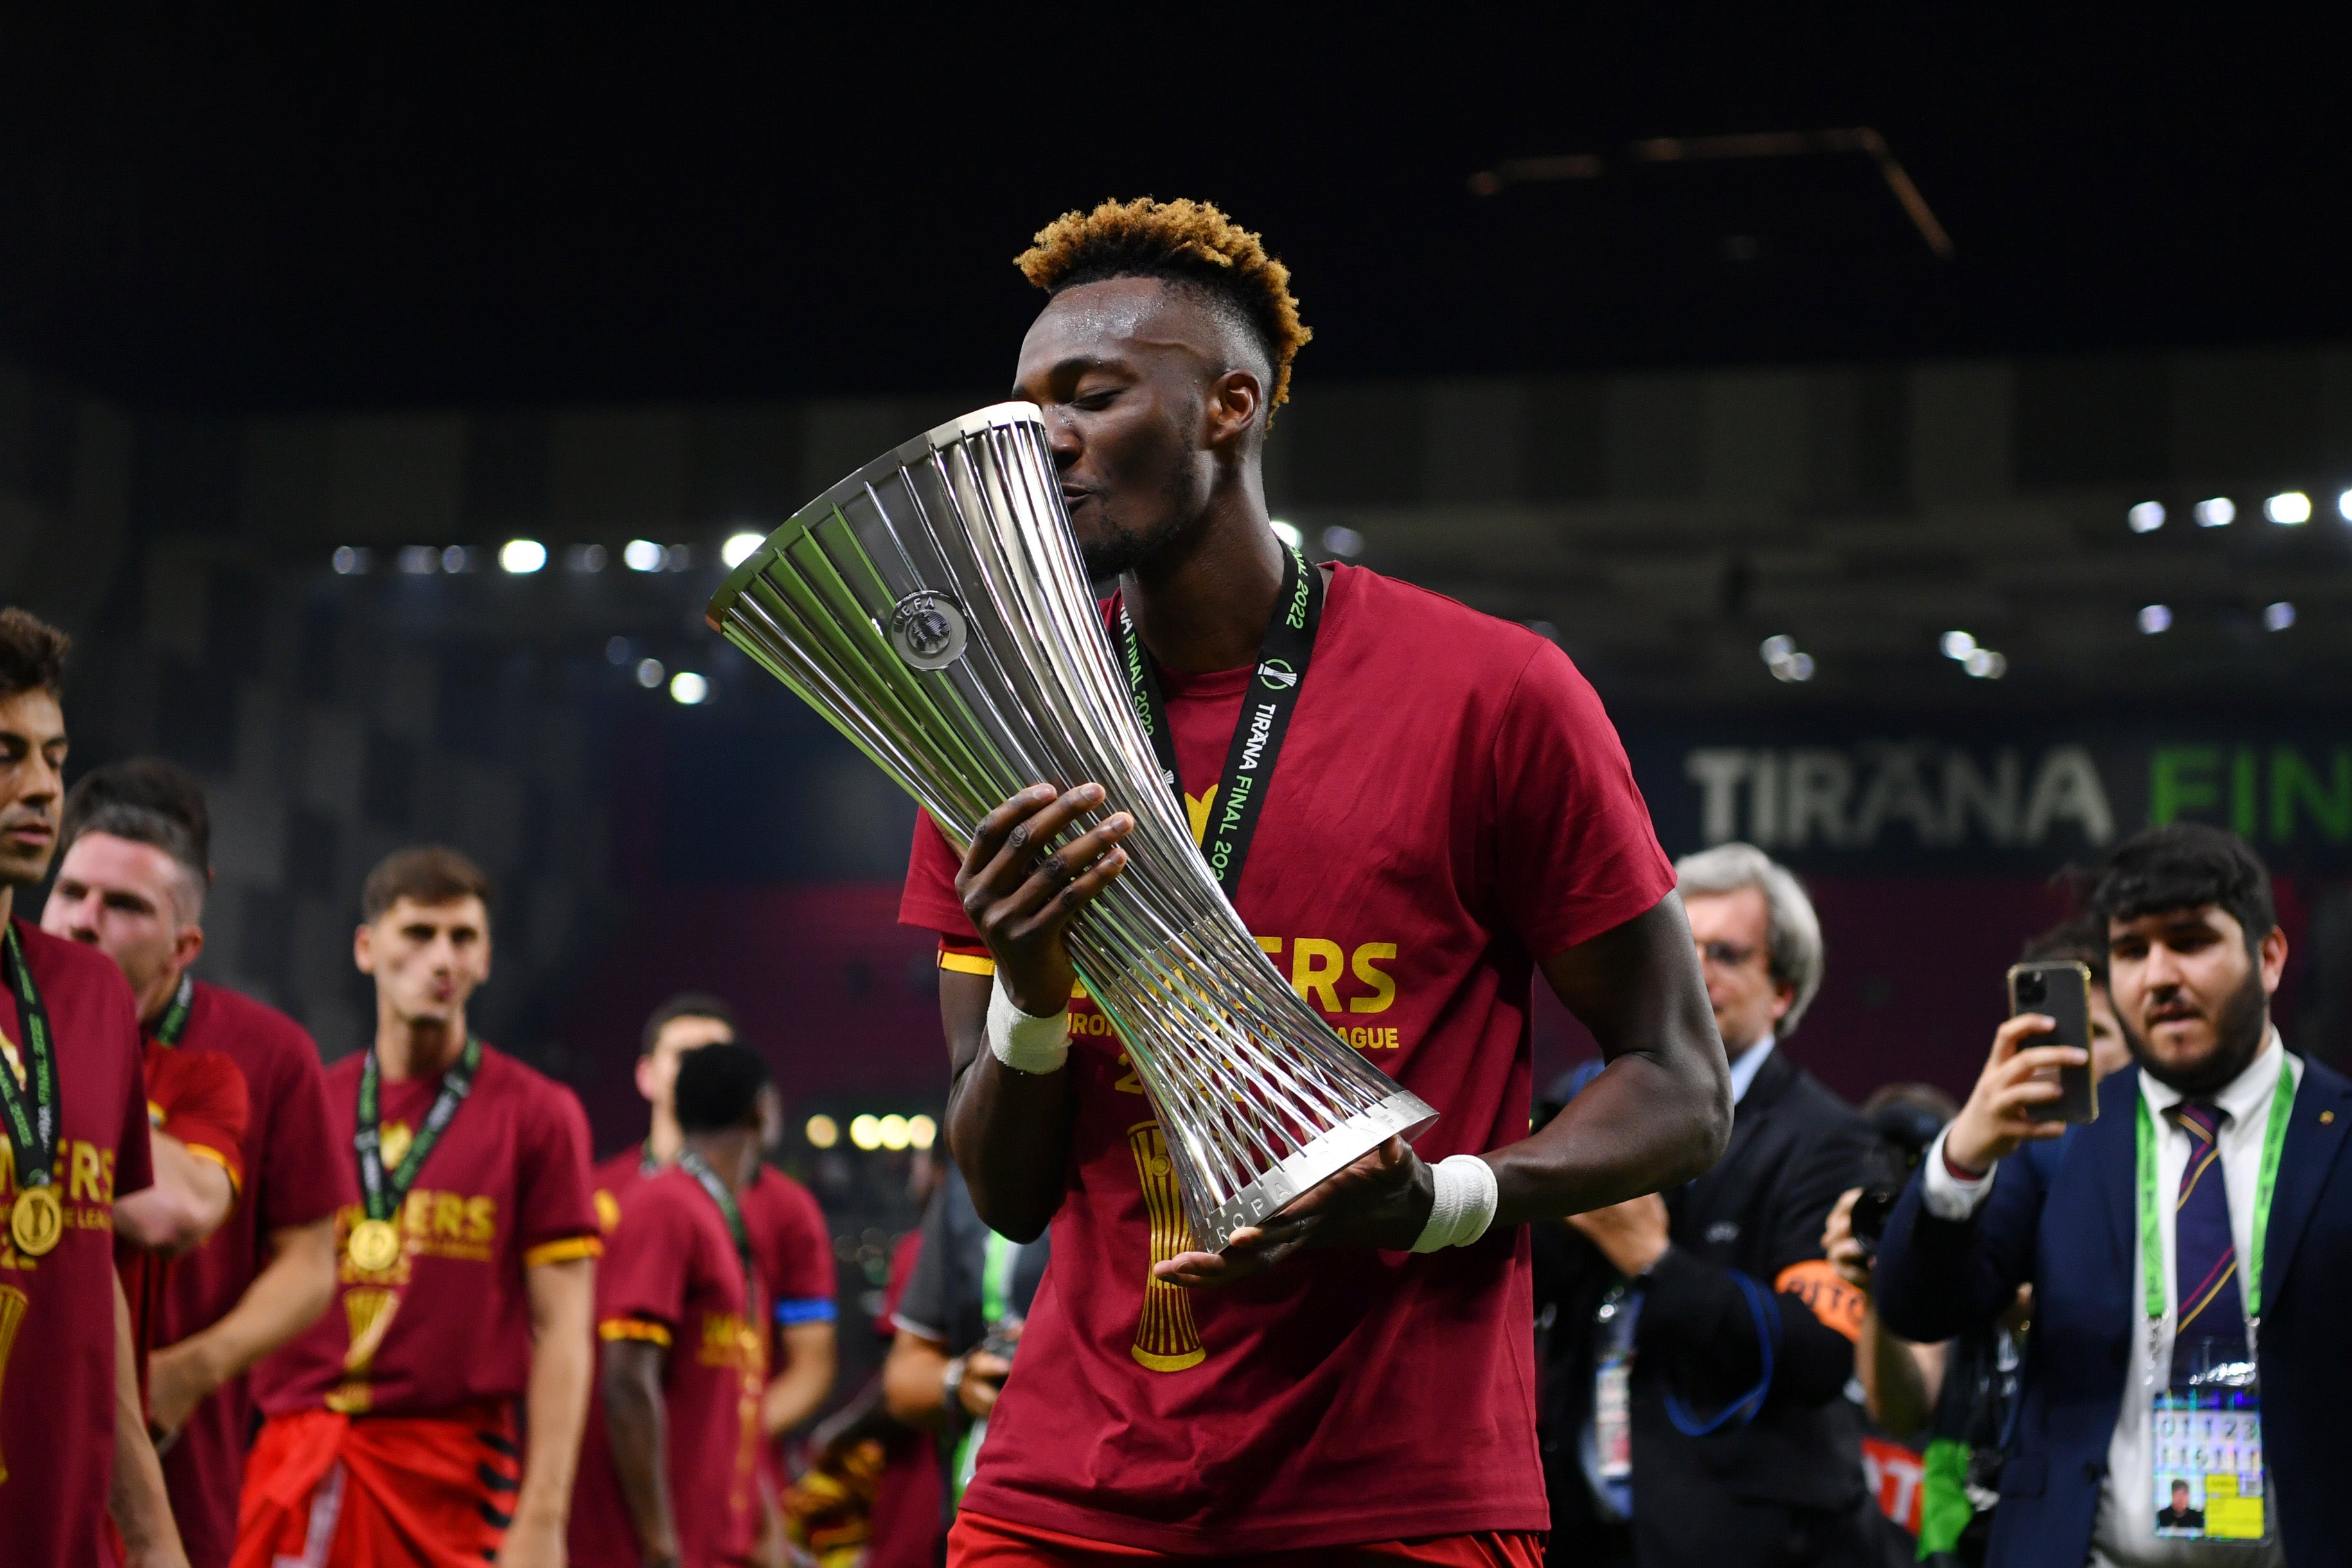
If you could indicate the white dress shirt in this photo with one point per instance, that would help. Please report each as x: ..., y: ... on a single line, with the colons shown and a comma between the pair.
x: 2124, y: 1535
x: 1745, y: 1066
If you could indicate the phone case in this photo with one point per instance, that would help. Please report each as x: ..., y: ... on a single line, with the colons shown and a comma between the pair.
x: 2068, y: 1001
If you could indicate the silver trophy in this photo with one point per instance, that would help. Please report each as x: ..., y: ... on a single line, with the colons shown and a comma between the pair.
x: 932, y: 607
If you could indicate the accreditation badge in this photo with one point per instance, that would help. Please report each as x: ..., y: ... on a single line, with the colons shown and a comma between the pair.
x: 374, y: 1245
x: 2207, y: 1479
x: 37, y: 1221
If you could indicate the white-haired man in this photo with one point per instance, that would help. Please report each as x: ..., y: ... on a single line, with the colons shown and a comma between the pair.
x: 1727, y: 1394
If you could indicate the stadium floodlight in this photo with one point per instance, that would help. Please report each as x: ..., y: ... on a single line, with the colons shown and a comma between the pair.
x: 1782, y: 657
x: 1288, y: 534
x: 522, y: 557
x: 457, y: 558
x: 419, y: 560
x: 893, y: 1132
x: 2145, y: 518
x: 2155, y: 617
x: 921, y: 1132
x: 2278, y: 617
x: 739, y: 547
x: 2217, y: 512
x: 1344, y: 542
x: 823, y: 1131
x: 689, y: 689
x: 866, y: 1132
x: 1956, y: 644
x: 2288, y: 507
x: 583, y: 558
x: 2344, y: 505
x: 1985, y: 665
x: 351, y: 561
x: 649, y: 673
x: 643, y: 555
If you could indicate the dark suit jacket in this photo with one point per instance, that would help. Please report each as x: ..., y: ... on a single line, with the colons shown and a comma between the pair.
x: 2062, y: 1215
x: 1794, y: 1147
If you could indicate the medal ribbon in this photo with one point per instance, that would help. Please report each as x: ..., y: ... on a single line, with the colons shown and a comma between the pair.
x: 1271, y: 697
x: 697, y: 1168
x: 2151, y: 1231
x: 32, y: 1128
x: 384, y: 1194
x: 174, y: 1021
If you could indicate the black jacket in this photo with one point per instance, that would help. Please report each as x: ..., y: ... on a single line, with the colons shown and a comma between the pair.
x: 1794, y: 1147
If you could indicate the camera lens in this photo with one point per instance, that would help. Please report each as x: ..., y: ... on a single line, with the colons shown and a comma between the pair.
x: 2031, y: 987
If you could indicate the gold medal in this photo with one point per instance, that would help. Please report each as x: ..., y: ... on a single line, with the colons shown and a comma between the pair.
x: 37, y: 1221
x: 374, y: 1245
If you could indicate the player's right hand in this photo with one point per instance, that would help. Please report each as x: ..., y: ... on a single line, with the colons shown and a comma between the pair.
x: 983, y: 1380
x: 1022, y: 898
x: 2016, y: 1078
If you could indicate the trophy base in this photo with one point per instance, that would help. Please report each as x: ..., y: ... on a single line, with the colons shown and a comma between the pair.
x: 1402, y: 1113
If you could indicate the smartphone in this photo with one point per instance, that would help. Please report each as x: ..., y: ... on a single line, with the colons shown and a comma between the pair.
x: 2060, y: 989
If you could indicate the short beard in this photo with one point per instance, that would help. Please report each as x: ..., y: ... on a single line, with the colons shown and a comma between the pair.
x: 1121, y: 551
x: 2238, y: 1035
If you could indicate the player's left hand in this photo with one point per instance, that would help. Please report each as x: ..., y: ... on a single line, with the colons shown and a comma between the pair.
x: 534, y: 1543
x: 1632, y: 1234
x: 177, y: 1382
x: 1383, y: 1199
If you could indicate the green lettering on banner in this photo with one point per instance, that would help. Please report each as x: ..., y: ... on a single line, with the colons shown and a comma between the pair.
x: 2180, y: 778
x: 2243, y: 792
x: 2293, y: 781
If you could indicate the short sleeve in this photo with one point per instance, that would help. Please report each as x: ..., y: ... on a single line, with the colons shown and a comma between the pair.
x: 796, y: 1264
x: 929, y: 901
x: 647, y: 1271
x: 1574, y: 851
x: 135, y: 1157
x: 306, y: 1173
x: 556, y: 1219
x: 923, y: 1306
x: 208, y: 1110
x: 902, y: 1270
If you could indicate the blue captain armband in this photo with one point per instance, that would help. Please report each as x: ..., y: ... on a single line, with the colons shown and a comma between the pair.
x: 807, y: 1310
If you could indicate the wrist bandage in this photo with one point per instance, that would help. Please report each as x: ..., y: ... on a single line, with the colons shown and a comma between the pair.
x: 1024, y: 1043
x: 1466, y: 1195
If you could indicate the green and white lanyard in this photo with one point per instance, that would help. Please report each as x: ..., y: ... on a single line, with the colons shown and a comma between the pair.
x: 2151, y: 1227
x: 996, y: 1293
x: 31, y: 1112
x: 174, y: 1021
x: 710, y: 1181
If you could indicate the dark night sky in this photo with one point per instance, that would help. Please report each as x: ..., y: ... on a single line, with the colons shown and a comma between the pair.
x: 559, y: 207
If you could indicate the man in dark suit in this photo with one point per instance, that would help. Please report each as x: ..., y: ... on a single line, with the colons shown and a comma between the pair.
x: 1744, y: 1448
x: 2195, y: 954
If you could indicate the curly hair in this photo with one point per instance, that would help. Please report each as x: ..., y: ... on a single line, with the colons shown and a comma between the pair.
x: 1191, y: 244
x: 31, y: 654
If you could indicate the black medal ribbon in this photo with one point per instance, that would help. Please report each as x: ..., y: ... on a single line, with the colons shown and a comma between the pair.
x: 31, y: 1110
x: 174, y: 1021
x: 1271, y: 697
x: 385, y: 1193
x: 697, y: 1168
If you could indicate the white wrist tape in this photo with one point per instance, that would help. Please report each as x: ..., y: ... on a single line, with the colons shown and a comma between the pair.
x: 1024, y: 1043
x: 1466, y: 1195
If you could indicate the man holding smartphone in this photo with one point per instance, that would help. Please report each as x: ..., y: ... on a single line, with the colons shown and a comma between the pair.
x: 2199, y: 1232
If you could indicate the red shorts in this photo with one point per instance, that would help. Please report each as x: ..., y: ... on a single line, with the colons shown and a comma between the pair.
x: 979, y: 1541
x: 325, y: 1490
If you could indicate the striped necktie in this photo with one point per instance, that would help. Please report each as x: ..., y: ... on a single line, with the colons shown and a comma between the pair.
x: 2205, y: 1256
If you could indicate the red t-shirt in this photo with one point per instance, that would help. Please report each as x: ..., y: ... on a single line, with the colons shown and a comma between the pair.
x: 671, y: 1277
x: 1450, y: 805
x: 197, y: 1096
x: 296, y: 1173
x: 506, y: 1187
x: 56, y: 1311
x: 790, y: 1243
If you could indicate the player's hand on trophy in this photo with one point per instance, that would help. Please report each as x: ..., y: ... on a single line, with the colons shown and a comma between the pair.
x: 1021, y: 896
x: 1383, y: 1200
